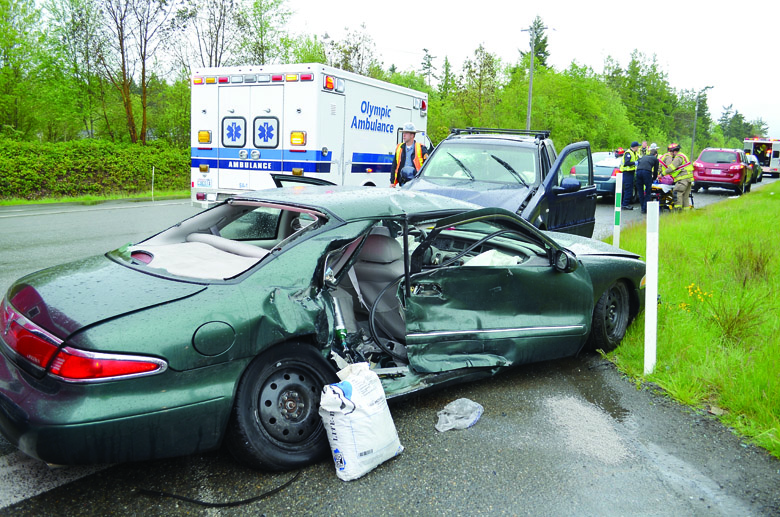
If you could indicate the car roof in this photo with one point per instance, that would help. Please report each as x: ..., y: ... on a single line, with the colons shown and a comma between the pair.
x: 351, y: 202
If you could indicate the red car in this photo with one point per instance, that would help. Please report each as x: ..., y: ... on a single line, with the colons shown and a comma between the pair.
x: 724, y: 168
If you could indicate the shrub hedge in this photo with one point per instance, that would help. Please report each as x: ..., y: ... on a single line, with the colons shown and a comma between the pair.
x: 31, y: 170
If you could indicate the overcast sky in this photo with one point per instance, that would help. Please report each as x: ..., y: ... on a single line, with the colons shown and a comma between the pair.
x: 732, y: 46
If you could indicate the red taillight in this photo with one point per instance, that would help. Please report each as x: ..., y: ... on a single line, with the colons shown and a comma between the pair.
x: 200, y: 196
x: 736, y: 168
x: 82, y: 366
x: 223, y: 80
x: 27, y: 339
x: 698, y: 166
x: 40, y: 348
x: 424, y: 105
x: 615, y: 172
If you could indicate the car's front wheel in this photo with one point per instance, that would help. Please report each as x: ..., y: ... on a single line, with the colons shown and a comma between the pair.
x: 275, y: 424
x: 610, y: 318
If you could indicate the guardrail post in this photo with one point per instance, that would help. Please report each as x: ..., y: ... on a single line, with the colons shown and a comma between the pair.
x: 618, y: 204
x: 651, y: 286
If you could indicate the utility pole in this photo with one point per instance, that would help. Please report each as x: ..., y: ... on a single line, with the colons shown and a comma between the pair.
x: 695, y: 115
x: 532, y: 32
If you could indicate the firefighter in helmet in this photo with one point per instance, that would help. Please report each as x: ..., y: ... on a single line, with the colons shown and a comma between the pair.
x: 681, y: 170
x: 409, y: 157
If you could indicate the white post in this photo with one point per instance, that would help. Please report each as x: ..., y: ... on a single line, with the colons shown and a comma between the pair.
x: 152, y: 183
x: 618, y: 204
x: 651, y: 287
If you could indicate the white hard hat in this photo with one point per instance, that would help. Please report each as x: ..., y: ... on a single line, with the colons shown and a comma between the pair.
x: 409, y: 128
x: 653, y: 146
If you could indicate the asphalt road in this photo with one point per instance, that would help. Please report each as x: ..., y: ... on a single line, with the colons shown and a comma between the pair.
x: 570, y: 437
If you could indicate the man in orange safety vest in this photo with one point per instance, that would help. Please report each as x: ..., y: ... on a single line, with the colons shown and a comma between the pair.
x: 409, y: 157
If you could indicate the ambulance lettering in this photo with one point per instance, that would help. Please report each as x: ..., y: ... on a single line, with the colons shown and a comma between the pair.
x: 374, y: 118
x: 250, y: 165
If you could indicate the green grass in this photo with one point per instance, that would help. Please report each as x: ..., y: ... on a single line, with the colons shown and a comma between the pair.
x: 719, y: 315
x: 94, y: 200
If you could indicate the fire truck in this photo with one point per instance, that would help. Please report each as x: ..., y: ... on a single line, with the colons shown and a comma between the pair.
x: 767, y: 150
x: 301, y: 119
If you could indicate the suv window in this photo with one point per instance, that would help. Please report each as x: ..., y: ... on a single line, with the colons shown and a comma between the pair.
x: 718, y: 157
x: 494, y: 162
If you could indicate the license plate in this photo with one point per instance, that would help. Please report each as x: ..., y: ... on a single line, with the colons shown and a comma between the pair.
x: 204, y: 182
x: 716, y: 171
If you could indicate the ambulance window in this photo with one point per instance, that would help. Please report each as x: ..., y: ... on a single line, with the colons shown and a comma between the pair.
x: 266, y: 132
x: 233, y: 132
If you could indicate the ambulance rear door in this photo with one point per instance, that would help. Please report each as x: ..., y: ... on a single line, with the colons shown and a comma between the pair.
x: 250, y: 148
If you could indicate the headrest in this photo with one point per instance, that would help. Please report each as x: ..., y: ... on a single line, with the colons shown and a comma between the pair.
x: 380, y: 230
x: 381, y: 249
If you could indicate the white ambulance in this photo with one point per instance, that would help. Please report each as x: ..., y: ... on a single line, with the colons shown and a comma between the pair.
x: 767, y: 150
x: 301, y: 119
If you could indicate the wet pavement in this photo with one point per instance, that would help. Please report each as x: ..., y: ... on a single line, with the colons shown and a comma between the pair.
x: 568, y: 437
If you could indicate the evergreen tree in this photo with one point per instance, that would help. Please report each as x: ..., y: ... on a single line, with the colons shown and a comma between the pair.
x: 538, y: 43
x: 427, y: 67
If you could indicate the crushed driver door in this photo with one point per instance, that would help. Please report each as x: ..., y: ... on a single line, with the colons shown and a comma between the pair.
x: 501, y: 303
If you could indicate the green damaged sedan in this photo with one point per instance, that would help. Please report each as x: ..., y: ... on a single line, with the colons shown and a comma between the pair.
x: 223, y: 329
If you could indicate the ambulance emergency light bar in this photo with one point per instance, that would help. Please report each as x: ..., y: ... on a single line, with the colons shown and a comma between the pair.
x: 253, y: 78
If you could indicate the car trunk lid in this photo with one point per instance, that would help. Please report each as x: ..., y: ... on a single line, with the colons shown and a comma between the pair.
x: 69, y: 297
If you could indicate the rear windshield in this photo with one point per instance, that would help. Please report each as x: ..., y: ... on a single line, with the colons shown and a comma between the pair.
x: 718, y: 157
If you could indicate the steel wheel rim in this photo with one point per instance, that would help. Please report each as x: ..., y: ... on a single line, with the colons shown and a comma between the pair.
x: 616, y: 309
x: 287, y: 404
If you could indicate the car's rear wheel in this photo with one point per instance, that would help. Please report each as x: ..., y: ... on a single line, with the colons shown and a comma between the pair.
x: 610, y: 318
x: 275, y: 424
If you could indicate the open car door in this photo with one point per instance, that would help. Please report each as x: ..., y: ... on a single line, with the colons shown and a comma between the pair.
x: 493, y: 293
x: 571, y: 204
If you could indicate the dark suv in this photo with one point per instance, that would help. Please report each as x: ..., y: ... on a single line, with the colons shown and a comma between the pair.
x: 516, y: 170
x: 724, y: 168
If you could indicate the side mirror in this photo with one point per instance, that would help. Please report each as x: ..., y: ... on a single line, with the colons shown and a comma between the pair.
x: 565, y: 261
x: 567, y: 185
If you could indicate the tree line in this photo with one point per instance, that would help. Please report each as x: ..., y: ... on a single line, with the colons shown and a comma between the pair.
x: 119, y: 70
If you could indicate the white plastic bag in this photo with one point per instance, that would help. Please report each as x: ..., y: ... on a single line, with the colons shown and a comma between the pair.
x: 357, y: 420
x: 459, y: 414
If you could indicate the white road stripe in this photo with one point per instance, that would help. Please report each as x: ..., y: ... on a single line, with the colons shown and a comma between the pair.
x: 22, y: 213
x: 23, y: 477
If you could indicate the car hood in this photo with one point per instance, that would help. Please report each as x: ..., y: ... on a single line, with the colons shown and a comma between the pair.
x: 66, y: 298
x: 481, y: 193
x: 582, y: 246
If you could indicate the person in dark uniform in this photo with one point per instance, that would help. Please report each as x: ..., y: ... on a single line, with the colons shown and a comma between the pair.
x: 628, y: 168
x: 646, y: 173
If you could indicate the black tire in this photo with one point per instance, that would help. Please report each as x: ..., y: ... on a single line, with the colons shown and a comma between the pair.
x: 739, y: 189
x: 275, y: 424
x: 610, y: 318
x: 695, y: 189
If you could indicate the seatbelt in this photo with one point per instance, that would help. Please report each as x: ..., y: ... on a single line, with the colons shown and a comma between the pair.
x: 354, y: 280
